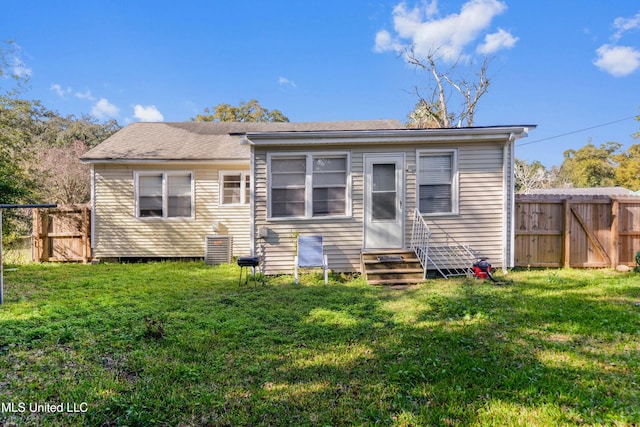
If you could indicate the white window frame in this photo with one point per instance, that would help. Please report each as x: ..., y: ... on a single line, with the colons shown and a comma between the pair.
x: 455, y: 187
x: 308, y: 186
x: 245, y: 180
x: 165, y: 194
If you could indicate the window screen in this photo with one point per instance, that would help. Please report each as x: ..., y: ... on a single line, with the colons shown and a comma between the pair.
x: 435, y: 187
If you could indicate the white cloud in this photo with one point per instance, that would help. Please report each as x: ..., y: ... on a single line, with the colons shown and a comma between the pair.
x: 420, y: 29
x: 63, y: 92
x: 59, y: 90
x: 19, y: 68
x: 431, y: 8
x: 85, y: 95
x: 618, y: 61
x: 385, y: 42
x: 625, y: 24
x: 147, y: 114
x: 497, y: 41
x: 103, y: 109
x: 283, y: 81
x: 12, y: 61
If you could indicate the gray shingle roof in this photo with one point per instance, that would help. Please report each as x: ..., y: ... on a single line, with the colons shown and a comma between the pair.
x: 204, y: 140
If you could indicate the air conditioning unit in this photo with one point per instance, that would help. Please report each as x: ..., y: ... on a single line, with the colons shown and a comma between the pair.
x: 217, y: 249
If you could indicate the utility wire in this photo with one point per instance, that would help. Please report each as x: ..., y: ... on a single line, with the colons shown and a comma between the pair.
x: 576, y: 131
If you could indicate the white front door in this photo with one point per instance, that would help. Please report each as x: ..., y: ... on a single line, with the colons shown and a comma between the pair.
x: 384, y: 201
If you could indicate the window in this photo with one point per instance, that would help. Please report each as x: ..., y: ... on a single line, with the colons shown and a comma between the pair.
x: 164, y: 194
x: 235, y: 188
x: 329, y: 185
x: 288, y: 182
x: 437, y: 182
x: 308, y: 185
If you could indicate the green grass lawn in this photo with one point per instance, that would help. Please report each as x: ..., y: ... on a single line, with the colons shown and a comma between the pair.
x: 181, y: 344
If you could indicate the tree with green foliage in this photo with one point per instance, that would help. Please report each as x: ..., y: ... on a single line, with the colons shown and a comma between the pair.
x: 590, y: 166
x: 16, y: 116
x: 627, y: 174
x: 628, y: 170
x: 250, y: 111
x: 39, y: 148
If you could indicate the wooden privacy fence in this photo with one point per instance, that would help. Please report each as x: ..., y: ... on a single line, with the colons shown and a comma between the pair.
x: 576, y: 231
x: 62, y: 234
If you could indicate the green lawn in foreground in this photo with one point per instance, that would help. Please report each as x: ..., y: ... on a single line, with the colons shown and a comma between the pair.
x: 181, y: 344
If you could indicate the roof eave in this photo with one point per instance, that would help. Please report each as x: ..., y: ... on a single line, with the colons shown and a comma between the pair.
x: 386, y: 136
x: 147, y: 160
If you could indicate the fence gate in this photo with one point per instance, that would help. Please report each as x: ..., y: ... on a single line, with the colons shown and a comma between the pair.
x: 62, y: 234
x: 577, y: 231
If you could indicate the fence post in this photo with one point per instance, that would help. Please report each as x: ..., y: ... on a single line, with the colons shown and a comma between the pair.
x: 35, y: 239
x: 615, y: 231
x: 566, y: 233
x: 86, y: 241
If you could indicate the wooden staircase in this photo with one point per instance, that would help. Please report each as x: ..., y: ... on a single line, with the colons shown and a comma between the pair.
x: 391, y: 266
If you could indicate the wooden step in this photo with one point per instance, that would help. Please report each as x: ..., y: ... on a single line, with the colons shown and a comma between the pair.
x: 394, y: 282
x: 406, y: 270
x: 391, y: 266
x: 382, y: 261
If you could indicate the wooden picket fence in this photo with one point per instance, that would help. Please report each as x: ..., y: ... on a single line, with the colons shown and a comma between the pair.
x: 62, y: 234
x: 576, y: 231
x: 550, y: 231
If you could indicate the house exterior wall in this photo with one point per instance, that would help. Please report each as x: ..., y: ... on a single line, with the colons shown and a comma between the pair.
x: 119, y: 234
x: 479, y: 222
x: 482, y: 215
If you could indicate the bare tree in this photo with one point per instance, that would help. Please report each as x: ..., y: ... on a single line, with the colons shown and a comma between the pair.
x: 434, y: 110
x: 533, y: 176
x: 64, y: 177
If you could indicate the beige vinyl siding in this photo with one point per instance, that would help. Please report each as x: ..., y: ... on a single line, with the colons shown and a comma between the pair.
x: 480, y: 221
x: 342, y: 236
x: 478, y: 224
x: 118, y: 233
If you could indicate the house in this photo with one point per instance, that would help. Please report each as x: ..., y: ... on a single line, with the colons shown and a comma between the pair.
x: 160, y: 188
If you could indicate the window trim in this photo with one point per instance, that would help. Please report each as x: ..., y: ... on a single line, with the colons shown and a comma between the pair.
x: 308, y: 186
x: 165, y: 194
x: 245, y: 178
x: 455, y: 182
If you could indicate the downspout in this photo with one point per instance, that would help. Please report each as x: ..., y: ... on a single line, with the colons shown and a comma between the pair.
x: 252, y: 201
x: 508, y: 242
x: 93, y: 208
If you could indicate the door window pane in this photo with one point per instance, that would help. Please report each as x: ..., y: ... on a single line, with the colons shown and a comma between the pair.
x: 383, y: 193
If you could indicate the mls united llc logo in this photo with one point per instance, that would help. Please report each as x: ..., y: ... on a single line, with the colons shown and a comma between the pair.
x: 49, y: 408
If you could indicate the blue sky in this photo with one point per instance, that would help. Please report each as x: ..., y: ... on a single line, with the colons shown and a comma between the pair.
x: 570, y: 66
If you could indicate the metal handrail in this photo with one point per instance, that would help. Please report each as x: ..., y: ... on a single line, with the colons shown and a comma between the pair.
x: 420, y: 235
x: 449, y: 258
